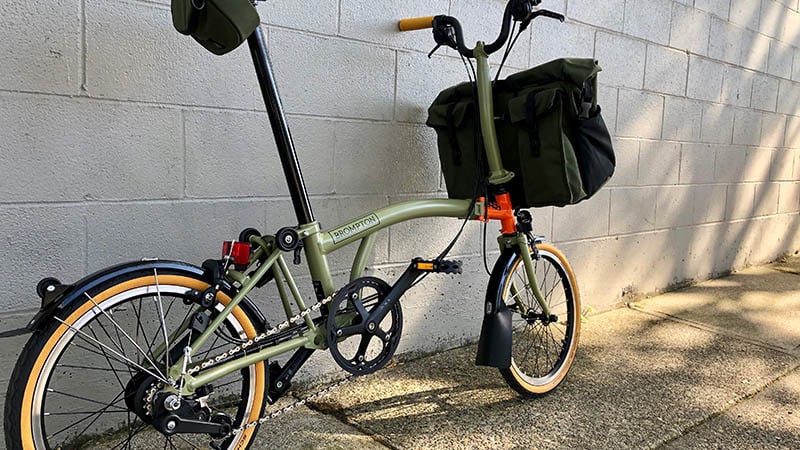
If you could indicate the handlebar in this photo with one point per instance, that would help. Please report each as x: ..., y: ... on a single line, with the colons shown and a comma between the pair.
x: 447, y: 30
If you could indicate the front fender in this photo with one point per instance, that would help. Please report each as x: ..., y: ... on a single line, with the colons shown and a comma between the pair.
x: 494, y: 346
x: 62, y: 296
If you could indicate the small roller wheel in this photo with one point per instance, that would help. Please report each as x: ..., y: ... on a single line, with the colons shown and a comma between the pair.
x: 46, y: 285
x: 247, y: 233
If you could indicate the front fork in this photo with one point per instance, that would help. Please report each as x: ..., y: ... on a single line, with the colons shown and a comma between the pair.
x: 516, y: 232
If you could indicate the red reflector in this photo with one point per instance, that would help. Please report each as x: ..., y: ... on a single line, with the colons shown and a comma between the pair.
x: 240, y: 252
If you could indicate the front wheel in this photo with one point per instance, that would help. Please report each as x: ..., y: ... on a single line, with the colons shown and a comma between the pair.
x: 86, y: 379
x: 542, y: 348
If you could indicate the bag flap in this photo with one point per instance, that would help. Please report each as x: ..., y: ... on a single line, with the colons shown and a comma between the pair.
x: 543, y: 101
x: 572, y: 70
x: 438, y: 114
x: 181, y: 16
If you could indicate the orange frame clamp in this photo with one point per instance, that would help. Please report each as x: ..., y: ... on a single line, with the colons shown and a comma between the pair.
x: 503, y: 212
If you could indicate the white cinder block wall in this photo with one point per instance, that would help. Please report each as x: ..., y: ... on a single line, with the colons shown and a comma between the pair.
x: 120, y: 138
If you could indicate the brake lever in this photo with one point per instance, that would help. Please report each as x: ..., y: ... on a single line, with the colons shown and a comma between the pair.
x: 540, y: 12
x: 443, y: 36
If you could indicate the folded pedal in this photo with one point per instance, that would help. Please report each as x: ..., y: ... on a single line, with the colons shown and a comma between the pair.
x: 437, y: 266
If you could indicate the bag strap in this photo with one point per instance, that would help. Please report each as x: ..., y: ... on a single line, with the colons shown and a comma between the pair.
x: 194, y: 13
x: 532, y: 125
x: 451, y: 132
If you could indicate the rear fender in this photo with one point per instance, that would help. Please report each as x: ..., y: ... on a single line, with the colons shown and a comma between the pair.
x: 61, y: 296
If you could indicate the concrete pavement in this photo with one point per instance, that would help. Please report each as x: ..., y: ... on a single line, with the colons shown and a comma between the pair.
x: 716, y: 365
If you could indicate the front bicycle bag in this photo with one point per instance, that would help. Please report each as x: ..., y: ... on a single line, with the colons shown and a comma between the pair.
x: 549, y: 128
x: 454, y: 116
x: 552, y: 135
x: 218, y: 25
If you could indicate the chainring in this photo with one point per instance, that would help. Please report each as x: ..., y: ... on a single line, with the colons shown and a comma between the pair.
x: 353, y: 345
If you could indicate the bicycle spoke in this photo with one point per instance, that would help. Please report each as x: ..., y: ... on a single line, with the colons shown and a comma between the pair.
x: 121, y: 384
x: 161, y: 318
x: 100, y: 411
x: 82, y: 333
x: 119, y: 328
x: 126, y: 442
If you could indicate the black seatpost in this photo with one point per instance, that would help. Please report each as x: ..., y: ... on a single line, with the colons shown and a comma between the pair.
x: 280, y: 128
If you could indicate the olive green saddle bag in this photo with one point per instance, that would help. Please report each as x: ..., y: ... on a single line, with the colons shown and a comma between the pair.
x: 218, y: 25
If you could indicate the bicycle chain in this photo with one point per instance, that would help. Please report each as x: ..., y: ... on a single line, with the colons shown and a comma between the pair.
x: 298, y: 319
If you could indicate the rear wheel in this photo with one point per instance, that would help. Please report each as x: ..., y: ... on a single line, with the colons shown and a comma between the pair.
x: 542, y: 348
x: 84, y: 380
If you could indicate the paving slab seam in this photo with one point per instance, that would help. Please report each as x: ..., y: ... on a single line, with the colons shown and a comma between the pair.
x: 717, y: 330
x: 688, y: 429
x: 342, y: 417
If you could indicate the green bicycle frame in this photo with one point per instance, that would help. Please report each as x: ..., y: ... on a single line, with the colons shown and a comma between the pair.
x: 318, y: 243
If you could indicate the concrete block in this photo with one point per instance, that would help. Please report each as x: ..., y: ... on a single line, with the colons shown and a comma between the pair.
x: 772, y: 17
x: 482, y: 20
x: 674, y: 207
x: 745, y: 13
x: 792, y: 132
x: 62, y: 149
x: 796, y: 65
x: 363, y: 87
x: 610, y: 16
x: 682, y: 119
x: 587, y: 219
x: 622, y: 59
x: 409, y: 151
x: 720, y: 8
x: 782, y: 165
x: 41, y: 46
x: 607, y: 98
x: 690, y: 29
x: 780, y: 59
x: 160, y: 65
x: 415, y: 96
x: 773, y: 129
x: 184, y: 231
x: 659, y: 163
x: 766, y: 199
x: 737, y: 86
x: 796, y: 170
x: 39, y: 242
x: 361, y: 20
x: 233, y: 154
x: 765, y: 92
x: 648, y: 19
x: 789, y: 198
x: 666, y: 70
x: 632, y: 210
x: 718, y: 124
x: 758, y: 165
x: 553, y: 40
x: 705, y: 79
x: 791, y: 27
x: 725, y: 41
x: 709, y: 203
x: 697, y: 163
x: 747, y: 127
x: 740, y: 201
x: 627, y: 170
x: 323, y: 18
x: 755, y: 51
x: 640, y: 114
x: 789, y: 98
x: 730, y: 164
